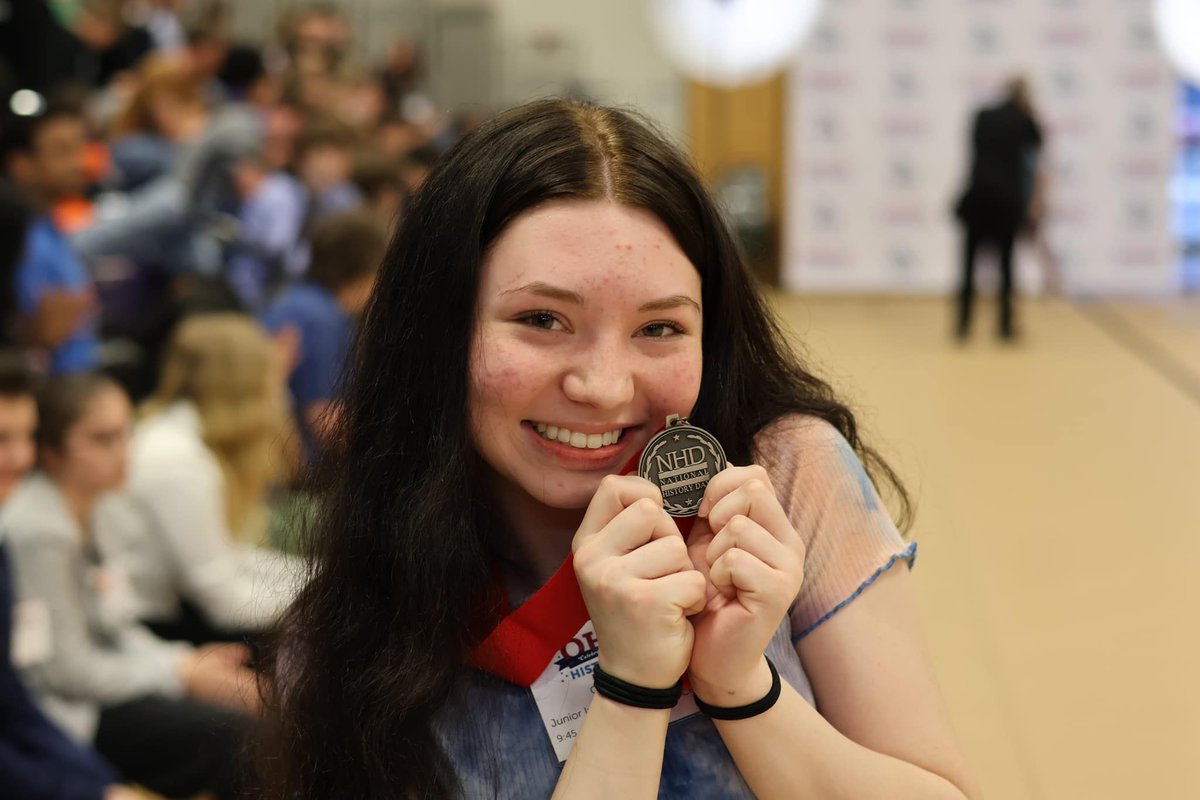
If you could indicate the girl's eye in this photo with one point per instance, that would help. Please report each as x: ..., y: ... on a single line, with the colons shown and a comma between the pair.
x: 542, y: 319
x: 659, y: 330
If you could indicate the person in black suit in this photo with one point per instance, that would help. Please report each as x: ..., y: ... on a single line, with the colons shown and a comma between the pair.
x: 1005, y: 141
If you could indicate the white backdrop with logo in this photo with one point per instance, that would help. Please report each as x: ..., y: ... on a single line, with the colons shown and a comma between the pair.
x: 880, y: 106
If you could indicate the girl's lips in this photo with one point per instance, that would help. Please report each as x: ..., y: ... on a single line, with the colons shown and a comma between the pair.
x: 606, y: 457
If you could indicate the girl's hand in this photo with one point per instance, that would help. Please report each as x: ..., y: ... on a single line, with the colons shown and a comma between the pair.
x: 754, y: 561
x: 638, y: 582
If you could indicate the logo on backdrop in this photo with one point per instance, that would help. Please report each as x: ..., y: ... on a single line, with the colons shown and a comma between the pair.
x: 1141, y: 125
x: 1139, y: 214
x: 1065, y: 82
x: 985, y: 39
x: 827, y: 128
x: 1067, y: 37
x: 825, y: 217
x: 904, y: 84
x: 904, y: 174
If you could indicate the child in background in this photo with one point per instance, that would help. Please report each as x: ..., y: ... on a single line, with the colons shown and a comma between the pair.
x: 346, y: 251
x: 166, y: 715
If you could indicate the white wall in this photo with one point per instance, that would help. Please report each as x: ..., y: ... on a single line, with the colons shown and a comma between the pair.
x: 605, y: 46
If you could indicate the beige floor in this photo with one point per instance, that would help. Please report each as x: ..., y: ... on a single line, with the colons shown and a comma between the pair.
x: 1057, y: 484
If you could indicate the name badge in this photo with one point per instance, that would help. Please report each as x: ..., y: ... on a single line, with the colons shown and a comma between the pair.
x: 564, y: 691
x: 32, y: 643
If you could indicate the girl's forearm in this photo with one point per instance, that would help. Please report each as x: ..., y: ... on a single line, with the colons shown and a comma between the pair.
x: 792, y: 751
x: 619, y: 754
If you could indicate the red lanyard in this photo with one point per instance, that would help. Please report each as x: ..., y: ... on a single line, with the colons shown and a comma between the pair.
x: 526, y: 640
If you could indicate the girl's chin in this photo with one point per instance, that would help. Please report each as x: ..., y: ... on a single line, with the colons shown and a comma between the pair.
x: 567, y: 498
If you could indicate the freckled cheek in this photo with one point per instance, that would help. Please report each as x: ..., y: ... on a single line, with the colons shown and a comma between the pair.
x: 506, y: 377
x: 674, y: 384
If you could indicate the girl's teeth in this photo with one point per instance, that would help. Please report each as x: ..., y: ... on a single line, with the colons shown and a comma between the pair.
x: 583, y: 441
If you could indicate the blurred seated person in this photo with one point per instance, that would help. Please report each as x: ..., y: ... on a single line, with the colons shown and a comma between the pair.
x: 396, y: 136
x: 380, y: 180
x: 402, y: 73
x: 178, y: 221
x: 417, y: 166
x: 246, y: 79
x: 161, y: 20
x: 347, y: 249
x: 212, y: 440
x: 42, y: 154
x: 19, y: 335
x: 270, y: 217
x: 166, y: 715
x: 46, y: 44
x: 37, y: 759
x: 207, y: 47
x: 324, y: 165
x: 316, y: 37
x: 164, y: 109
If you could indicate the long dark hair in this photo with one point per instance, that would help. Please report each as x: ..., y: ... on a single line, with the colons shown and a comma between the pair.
x: 375, y: 644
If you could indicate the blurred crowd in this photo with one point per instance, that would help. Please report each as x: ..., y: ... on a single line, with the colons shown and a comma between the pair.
x: 189, y: 227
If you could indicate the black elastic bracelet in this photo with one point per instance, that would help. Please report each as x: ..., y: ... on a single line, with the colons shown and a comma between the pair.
x: 629, y: 694
x: 749, y: 710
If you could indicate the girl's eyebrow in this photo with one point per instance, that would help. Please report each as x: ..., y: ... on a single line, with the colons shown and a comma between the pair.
x: 546, y: 290
x: 668, y: 303
x: 543, y: 289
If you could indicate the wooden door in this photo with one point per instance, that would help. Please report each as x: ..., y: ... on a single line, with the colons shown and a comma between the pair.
x: 740, y: 131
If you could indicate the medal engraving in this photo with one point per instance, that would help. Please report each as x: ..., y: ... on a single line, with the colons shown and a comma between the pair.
x: 681, y: 460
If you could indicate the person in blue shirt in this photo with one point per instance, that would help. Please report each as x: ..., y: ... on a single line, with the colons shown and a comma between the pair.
x: 43, y: 154
x: 37, y: 759
x: 270, y: 218
x: 347, y: 248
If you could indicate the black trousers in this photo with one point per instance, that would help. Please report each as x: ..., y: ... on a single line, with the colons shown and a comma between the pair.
x: 175, y: 748
x: 974, y: 238
x: 193, y: 628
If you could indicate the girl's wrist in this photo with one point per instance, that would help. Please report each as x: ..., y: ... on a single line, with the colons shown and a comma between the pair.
x: 735, y: 690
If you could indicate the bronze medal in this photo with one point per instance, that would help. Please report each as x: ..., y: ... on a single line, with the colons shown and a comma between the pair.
x: 680, y: 460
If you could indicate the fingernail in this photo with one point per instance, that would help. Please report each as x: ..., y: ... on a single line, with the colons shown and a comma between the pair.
x: 703, y: 510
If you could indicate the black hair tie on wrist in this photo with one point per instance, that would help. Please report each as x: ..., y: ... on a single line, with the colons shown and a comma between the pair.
x: 751, y: 709
x: 629, y: 694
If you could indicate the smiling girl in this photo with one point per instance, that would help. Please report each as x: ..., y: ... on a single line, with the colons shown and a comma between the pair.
x: 562, y: 284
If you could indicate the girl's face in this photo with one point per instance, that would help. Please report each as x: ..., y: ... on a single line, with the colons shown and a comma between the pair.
x: 588, y: 336
x: 95, y: 449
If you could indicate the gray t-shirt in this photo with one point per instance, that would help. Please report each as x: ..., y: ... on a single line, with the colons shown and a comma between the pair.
x: 99, y: 655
